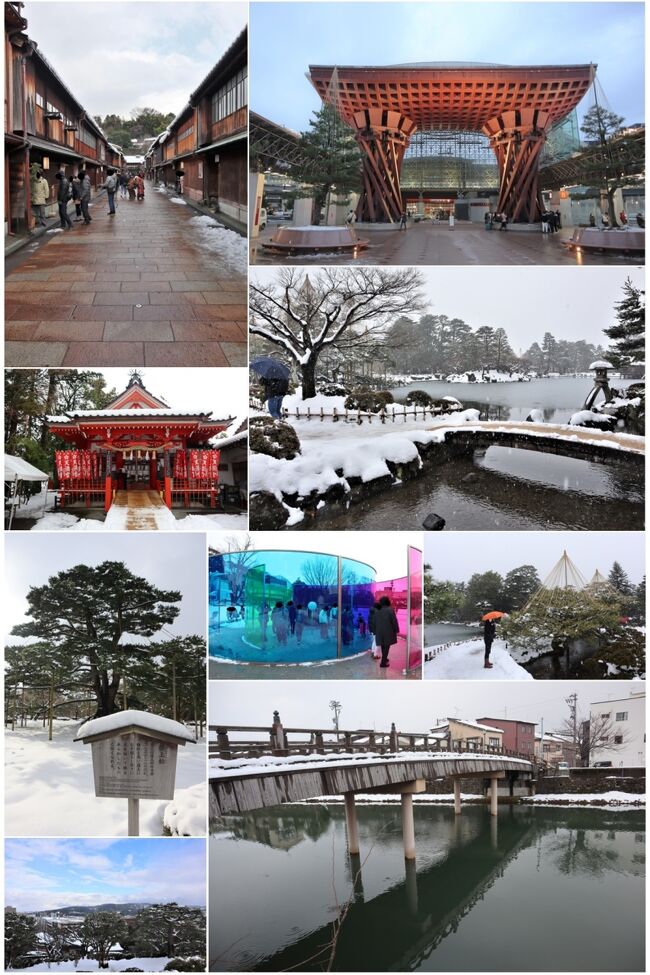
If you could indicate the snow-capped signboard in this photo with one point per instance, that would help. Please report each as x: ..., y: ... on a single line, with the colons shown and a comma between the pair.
x: 134, y: 756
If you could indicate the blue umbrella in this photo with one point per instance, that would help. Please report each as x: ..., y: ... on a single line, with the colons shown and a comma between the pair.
x: 269, y: 368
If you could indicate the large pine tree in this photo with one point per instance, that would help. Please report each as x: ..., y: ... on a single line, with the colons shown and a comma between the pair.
x: 332, y: 160
x: 81, y: 614
x: 628, y: 333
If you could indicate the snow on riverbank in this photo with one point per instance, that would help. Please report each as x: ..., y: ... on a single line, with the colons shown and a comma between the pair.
x: 464, y: 661
x: 589, y: 799
x: 92, y: 965
x: 49, y: 788
x: 357, y: 451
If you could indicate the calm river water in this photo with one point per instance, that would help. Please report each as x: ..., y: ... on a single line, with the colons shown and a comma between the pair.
x: 437, y: 633
x: 534, y: 890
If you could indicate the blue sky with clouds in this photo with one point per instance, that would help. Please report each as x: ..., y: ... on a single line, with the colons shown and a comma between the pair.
x: 287, y: 37
x: 46, y: 874
x: 118, y: 56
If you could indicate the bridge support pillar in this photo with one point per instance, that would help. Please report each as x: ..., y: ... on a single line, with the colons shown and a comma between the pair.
x: 457, y: 796
x: 494, y: 796
x: 408, y: 826
x: 351, y: 823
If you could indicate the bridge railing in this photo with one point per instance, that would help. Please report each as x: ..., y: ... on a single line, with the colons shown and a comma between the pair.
x: 230, y: 742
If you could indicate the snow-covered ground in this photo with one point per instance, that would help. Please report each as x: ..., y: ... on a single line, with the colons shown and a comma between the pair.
x: 53, y: 521
x: 49, y: 789
x: 464, y: 661
x: 490, y: 376
x: 91, y: 965
x: 231, y: 247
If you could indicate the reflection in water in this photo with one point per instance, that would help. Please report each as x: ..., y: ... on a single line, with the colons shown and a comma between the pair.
x: 481, y: 494
x: 468, y: 905
x: 558, y: 398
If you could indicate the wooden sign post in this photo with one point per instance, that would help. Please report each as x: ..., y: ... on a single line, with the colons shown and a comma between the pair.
x: 134, y: 757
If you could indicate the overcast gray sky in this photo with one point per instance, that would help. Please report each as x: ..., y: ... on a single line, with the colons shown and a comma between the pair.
x: 457, y: 555
x: 414, y: 707
x: 224, y: 391
x: 384, y: 551
x: 169, y: 560
x: 608, y: 34
x: 118, y: 56
x: 571, y: 302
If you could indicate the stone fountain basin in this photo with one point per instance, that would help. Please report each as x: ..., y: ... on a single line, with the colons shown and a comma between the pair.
x: 315, y: 239
x: 616, y: 239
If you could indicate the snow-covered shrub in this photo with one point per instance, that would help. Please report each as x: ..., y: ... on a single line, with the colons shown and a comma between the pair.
x: 273, y: 437
x: 184, y: 965
x: 418, y: 397
x: 265, y: 512
x: 368, y: 400
x: 332, y: 389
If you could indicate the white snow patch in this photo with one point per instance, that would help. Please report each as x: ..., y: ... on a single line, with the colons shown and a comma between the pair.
x: 230, y: 246
x: 185, y: 814
x: 589, y: 798
x: 124, y: 719
x: 177, y: 199
x: 92, y: 965
x: 464, y: 661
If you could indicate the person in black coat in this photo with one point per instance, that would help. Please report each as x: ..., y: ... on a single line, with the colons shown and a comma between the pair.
x: 489, y: 633
x: 275, y: 389
x: 386, y: 628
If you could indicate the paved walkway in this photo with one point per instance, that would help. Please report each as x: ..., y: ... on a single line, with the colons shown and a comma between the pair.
x: 156, y: 285
x: 429, y: 243
x: 139, y: 510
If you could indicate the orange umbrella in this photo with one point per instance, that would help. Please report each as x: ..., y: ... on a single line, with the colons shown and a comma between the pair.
x: 494, y: 615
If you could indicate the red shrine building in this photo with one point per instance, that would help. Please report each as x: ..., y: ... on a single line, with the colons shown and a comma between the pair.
x: 515, y: 107
x: 137, y: 443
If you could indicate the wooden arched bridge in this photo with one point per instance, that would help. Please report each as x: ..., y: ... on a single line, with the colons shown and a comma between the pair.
x: 273, y: 769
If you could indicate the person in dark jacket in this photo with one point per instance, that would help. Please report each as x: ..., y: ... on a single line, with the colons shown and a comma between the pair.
x: 84, y: 195
x: 275, y: 389
x: 63, y: 194
x: 489, y: 633
x: 293, y: 613
x: 386, y: 628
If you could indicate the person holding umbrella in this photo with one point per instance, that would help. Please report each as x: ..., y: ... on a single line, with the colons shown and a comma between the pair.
x: 489, y: 633
x: 274, y: 378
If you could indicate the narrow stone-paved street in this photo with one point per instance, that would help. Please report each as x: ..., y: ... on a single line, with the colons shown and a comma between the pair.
x: 155, y: 285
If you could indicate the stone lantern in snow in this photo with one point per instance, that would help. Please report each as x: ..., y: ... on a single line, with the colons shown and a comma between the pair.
x: 601, y: 383
x: 134, y: 757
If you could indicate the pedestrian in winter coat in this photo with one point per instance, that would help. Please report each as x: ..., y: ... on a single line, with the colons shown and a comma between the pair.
x: 403, y: 220
x: 64, y: 193
x: 293, y: 613
x: 275, y: 389
x: 84, y: 195
x: 301, y: 619
x: 139, y: 187
x: 110, y: 185
x: 40, y: 191
x: 489, y: 632
x: 76, y: 198
x: 386, y: 628
x: 280, y: 623
x: 323, y: 621
x: 264, y: 621
x: 124, y: 182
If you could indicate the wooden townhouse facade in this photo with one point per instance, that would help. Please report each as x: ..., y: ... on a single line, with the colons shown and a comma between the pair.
x: 204, y: 152
x: 45, y: 126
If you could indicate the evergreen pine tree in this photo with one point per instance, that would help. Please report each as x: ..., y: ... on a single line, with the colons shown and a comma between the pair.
x: 629, y: 331
x: 332, y: 160
x: 618, y: 578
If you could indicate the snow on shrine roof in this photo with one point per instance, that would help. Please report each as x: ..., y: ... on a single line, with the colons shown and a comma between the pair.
x: 221, y: 442
x: 127, y: 414
x: 125, y: 719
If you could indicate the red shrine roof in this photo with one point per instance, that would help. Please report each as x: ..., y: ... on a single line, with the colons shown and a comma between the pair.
x: 453, y: 96
x: 136, y: 413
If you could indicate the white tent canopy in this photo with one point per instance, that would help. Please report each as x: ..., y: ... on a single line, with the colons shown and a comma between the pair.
x: 17, y: 469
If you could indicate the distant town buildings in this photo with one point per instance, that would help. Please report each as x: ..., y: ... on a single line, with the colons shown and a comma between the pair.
x: 627, y: 716
x: 554, y: 748
x: 458, y: 733
x: 518, y: 736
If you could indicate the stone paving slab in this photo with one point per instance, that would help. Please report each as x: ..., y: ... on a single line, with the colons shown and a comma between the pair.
x: 129, y: 290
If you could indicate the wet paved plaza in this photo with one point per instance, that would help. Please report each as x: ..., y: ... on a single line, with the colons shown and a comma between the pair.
x: 432, y: 243
x: 139, y: 288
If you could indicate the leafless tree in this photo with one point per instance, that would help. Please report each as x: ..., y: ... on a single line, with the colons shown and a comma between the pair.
x: 240, y: 550
x: 593, y: 733
x: 305, y: 316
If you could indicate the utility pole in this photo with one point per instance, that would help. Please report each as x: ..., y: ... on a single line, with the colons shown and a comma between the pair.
x: 572, y: 701
x: 336, y: 707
